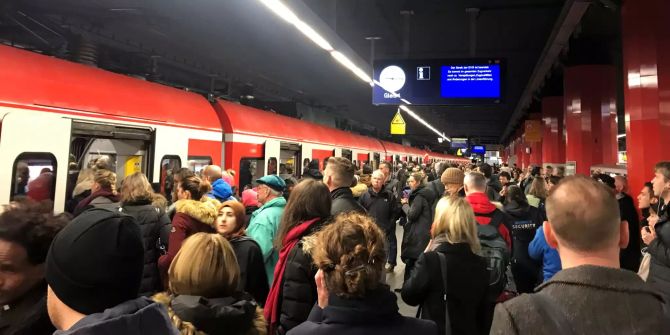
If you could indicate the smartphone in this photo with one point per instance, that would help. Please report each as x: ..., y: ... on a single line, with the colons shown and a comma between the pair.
x: 405, y: 193
x: 647, y: 229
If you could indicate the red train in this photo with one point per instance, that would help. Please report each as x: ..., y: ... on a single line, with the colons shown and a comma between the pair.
x: 57, y: 115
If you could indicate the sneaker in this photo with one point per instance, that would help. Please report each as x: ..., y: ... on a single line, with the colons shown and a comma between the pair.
x: 390, y: 268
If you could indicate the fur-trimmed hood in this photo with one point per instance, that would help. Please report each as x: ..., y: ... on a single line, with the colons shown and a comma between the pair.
x: 203, y: 211
x: 238, y: 314
x: 359, y: 189
x: 308, y: 242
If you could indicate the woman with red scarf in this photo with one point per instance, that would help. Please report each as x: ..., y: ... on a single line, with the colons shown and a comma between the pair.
x: 293, y: 291
x: 230, y: 224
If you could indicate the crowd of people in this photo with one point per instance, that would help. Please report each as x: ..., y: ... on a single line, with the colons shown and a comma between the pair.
x: 487, y: 250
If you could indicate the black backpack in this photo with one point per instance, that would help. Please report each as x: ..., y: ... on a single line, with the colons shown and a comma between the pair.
x: 495, y: 252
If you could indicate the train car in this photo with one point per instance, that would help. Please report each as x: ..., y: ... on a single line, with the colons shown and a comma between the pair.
x: 259, y: 143
x: 57, y: 117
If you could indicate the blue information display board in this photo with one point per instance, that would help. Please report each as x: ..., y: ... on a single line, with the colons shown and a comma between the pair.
x: 470, y: 81
x: 438, y: 82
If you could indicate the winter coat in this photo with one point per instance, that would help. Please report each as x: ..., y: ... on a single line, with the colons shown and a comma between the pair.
x: 221, y: 191
x: 419, y: 214
x: 343, y: 202
x: 140, y: 316
x: 631, y: 256
x: 540, y: 250
x: 358, y: 190
x: 467, y: 283
x: 150, y: 220
x: 103, y: 198
x: 263, y: 229
x: 252, y: 269
x: 437, y: 187
x: 593, y: 299
x: 484, y: 209
x: 659, y: 248
x: 28, y: 315
x: 191, y: 217
x: 298, y: 293
x: 234, y: 315
x: 380, y: 206
x: 525, y: 221
x: 375, y: 314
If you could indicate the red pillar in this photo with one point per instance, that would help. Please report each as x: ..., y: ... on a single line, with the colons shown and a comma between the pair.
x: 590, y: 110
x: 646, y: 66
x: 535, y: 157
x: 553, y: 135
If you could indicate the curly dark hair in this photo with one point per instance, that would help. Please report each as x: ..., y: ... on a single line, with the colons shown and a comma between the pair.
x: 33, y: 226
x: 350, y: 251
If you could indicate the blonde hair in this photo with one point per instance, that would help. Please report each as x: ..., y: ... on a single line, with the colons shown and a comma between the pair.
x: 86, y: 174
x: 136, y: 187
x: 455, y: 219
x: 204, y: 266
x: 106, y: 179
x: 350, y: 252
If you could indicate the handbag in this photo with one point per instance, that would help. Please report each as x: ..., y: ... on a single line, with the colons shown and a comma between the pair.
x: 443, y: 268
x: 643, y: 272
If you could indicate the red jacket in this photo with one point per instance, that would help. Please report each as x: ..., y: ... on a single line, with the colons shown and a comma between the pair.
x: 482, y: 206
x: 191, y: 217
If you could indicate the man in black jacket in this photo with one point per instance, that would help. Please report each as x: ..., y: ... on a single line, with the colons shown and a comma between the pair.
x: 380, y: 204
x: 339, y: 176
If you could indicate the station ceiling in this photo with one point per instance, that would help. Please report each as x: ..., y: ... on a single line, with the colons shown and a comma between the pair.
x: 239, y: 47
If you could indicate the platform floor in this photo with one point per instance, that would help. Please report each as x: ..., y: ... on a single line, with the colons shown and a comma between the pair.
x: 395, y: 279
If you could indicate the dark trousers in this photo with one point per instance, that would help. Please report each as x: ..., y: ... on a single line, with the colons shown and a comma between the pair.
x: 392, y: 242
x: 409, y: 266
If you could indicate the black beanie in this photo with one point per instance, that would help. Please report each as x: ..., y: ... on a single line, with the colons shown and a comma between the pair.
x: 96, y: 261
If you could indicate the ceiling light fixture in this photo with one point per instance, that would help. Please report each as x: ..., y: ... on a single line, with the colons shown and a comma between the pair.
x: 289, y: 16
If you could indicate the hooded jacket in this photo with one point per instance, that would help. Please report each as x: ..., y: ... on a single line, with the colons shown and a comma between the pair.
x: 419, y: 214
x: 151, y: 220
x: 343, y: 201
x: 192, y: 217
x: 221, y: 191
x: 234, y: 315
x: 358, y: 190
x: 376, y: 313
x: 263, y: 229
x: 140, y: 316
x: 483, y: 209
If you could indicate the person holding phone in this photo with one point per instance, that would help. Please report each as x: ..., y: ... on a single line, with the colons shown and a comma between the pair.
x: 418, y: 208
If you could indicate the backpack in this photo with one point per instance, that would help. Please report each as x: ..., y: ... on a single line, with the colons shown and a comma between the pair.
x: 495, y: 252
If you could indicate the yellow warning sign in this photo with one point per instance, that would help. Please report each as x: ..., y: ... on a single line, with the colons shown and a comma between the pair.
x: 459, y: 152
x: 398, y: 124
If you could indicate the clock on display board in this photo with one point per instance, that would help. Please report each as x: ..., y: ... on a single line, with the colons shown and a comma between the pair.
x: 392, y: 78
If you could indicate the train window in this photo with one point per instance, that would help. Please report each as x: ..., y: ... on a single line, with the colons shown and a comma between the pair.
x: 197, y: 163
x: 250, y: 170
x: 289, y: 157
x: 34, y: 176
x: 272, y: 166
x: 169, y: 166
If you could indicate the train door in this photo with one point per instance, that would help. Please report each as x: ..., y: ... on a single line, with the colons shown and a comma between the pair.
x: 290, y: 160
x: 375, y: 161
x: 120, y: 148
x: 34, y: 148
x: 272, y: 152
x: 346, y: 153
